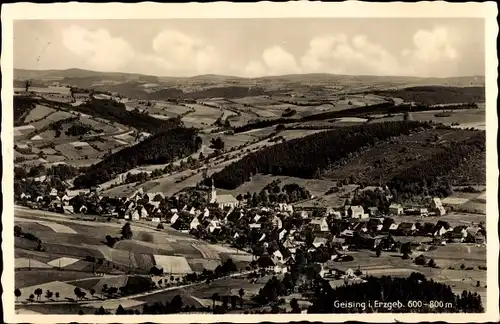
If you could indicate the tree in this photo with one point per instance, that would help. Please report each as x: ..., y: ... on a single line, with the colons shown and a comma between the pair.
x: 31, y: 297
x: 241, y: 292
x: 18, y: 231
x: 78, y: 292
x: 478, y: 284
x: 48, y: 294
x: 80, y: 312
x: 56, y: 294
x: 160, y: 226
x: 38, y: 292
x: 17, y: 293
x: 421, y: 260
x: 92, y: 292
x: 127, y: 231
x: 104, y: 288
x: 176, y: 304
x: 295, y: 306
x: 27, y: 85
x: 215, y: 298
x: 120, y: 310
x: 432, y: 263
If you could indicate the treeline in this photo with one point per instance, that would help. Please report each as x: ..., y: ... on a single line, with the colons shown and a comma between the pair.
x: 416, y: 294
x: 429, y: 176
x: 161, y: 148
x: 22, y: 106
x: 115, y: 111
x: 434, y: 95
x: 306, y: 157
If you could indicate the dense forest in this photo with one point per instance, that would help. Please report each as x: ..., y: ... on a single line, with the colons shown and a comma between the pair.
x: 429, y: 177
x: 306, y: 157
x: 164, y: 147
x: 22, y: 106
x: 435, y: 297
x: 116, y: 112
x: 435, y: 95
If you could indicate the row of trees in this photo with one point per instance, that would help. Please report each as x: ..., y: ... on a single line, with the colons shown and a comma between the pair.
x: 116, y: 111
x: 435, y: 95
x: 161, y: 148
x: 306, y: 157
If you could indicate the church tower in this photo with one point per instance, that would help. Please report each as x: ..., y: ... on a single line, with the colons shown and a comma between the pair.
x: 213, y: 194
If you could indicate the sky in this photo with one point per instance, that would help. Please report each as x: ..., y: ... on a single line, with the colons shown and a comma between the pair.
x: 445, y: 47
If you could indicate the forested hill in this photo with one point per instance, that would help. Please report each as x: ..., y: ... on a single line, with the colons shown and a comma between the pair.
x: 115, y: 111
x: 306, y: 157
x: 164, y: 147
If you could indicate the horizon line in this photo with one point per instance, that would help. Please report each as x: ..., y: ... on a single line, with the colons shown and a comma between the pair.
x: 252, y: 78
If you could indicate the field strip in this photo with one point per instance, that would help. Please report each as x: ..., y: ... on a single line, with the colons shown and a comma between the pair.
x: 113, y: 305
x: 30, y: 263
x: 63, y: 262
x: 173, y: 264
x: 24, y: 311
x: 206, y: 252
x: 58, y: 228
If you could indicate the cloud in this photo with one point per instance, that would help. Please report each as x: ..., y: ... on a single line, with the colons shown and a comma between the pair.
x: 279, y: 61
x: 339, y: 54
x: 181, y: 52
x: 98, y: 49
x: 433, y: 46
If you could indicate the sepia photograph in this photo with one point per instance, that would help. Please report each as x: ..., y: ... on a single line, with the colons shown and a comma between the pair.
x: 249, y: 165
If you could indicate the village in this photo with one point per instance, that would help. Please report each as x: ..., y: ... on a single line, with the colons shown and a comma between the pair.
x: 274, y: 232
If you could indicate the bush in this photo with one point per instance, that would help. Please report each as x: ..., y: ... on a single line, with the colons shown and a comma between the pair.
x: 160, y: 226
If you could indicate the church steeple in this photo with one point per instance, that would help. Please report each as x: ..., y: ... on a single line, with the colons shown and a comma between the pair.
x: 213, y: 193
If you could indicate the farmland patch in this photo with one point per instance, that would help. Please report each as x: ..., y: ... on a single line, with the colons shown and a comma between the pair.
x: 173, y: 264
x: 58, y: 228
x: 62, y: 262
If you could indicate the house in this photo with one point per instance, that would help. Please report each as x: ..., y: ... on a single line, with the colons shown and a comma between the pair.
x: 438, y: 206
x: 427, y: 229
x: 319, y: 224
x: 134, y: 215
x: 336, y: 214
x: 375, y: 224
x: 283, y: 207
x: 393, y: 227
x: 83, y: 209
x: 278, y: 255
x: 319, y: 241
x: 194, y: 223
x: 281, y: 234
x: 174, y: 218
x: 357, y: 212
x: 304, y: 214
x: 372, y: 211
x: 360, y: 227
x: 424, y: 212
x: 276, y: 222
x: 155, y: 219
x: 458, y: 234
x: 257, y: 218
x: 53, y: 193
x: 254, y: 226
x: 67, y: 209
x: 441, y: 228
x: 480, y: 238
x: 395, y: 209
x: 338, y: 242
x: 347, y: 233
x: 407, y: 228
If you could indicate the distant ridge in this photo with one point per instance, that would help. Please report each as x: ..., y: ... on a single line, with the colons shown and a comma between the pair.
x: 80, y: 73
